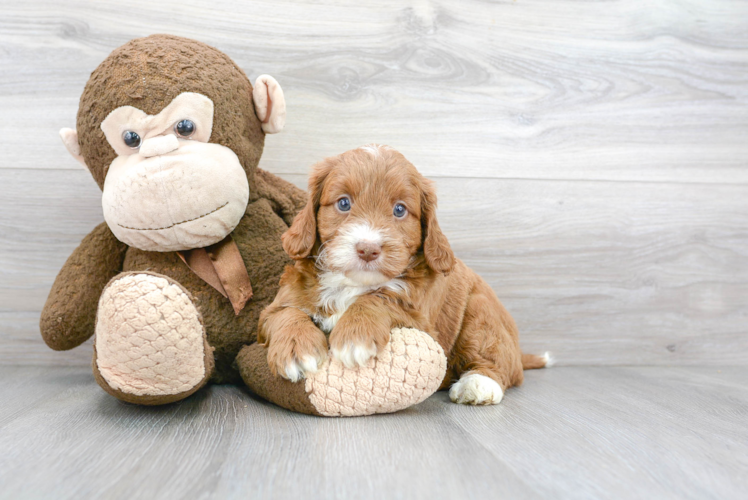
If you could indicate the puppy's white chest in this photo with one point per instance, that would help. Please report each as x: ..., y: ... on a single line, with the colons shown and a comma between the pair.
x: 336, y: 300
x: 337, y: 293
x: 326, y: 323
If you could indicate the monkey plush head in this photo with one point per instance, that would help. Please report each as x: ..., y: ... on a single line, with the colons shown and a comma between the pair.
x: 172, y: 132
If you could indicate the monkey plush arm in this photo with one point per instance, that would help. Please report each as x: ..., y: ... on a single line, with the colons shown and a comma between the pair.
x: 287, y: 199
x: 69, y: 316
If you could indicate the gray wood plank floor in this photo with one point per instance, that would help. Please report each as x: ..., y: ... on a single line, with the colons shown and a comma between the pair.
x: 569, y: 432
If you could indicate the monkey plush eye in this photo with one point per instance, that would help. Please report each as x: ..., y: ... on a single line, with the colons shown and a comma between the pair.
x: 185, y: 128
x: 399, y: 211
x: 344, y: 204
x: 131, y: 139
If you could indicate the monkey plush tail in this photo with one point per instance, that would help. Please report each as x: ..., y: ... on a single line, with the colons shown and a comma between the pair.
x: 533, y: 361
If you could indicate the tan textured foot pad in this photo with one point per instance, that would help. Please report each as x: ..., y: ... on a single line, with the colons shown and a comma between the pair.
x: 407, y: 371
x: 150, y: 345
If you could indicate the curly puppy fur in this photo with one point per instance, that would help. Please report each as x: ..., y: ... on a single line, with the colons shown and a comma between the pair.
x: 370, y: 256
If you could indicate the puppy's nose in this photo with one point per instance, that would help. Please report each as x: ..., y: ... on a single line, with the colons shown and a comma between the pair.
x: 368, y: 251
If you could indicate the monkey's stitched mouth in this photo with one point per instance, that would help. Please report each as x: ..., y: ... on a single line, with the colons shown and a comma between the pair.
x: 176, y: 223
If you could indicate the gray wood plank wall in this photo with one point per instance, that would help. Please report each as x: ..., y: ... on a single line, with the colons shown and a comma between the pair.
x: 591, y: 156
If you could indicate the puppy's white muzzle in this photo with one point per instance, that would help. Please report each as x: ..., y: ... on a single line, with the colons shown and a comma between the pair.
x: 355, y: 248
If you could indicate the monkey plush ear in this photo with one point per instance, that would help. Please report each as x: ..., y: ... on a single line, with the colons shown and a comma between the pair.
x: 70, y: 140
x: 270, y: 105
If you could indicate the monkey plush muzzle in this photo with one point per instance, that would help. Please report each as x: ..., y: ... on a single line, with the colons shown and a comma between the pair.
x: 169, y: 189
x: 159, y: 145
x: 191, y: 197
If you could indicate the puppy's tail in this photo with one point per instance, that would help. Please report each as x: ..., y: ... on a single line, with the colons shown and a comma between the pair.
x: 533, y: 361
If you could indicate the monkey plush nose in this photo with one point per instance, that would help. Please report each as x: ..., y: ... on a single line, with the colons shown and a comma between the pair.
x: 368, y: 251
x: 159, y: 145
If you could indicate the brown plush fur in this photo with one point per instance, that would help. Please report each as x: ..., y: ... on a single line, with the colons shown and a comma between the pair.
x: 253, y: 365
x: 148, y: 73
x: 444, y: 297
x: 69, y: 315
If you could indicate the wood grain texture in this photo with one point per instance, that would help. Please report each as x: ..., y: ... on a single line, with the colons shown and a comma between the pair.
x: 606, y: 90
x: 567, y: 433
x: 590, y: 155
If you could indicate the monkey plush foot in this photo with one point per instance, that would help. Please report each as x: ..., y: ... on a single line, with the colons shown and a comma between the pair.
x: 407, y: 371
x: 150, y: 346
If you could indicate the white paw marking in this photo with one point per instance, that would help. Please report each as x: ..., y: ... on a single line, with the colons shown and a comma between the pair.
x: 297, y: 370
x: 352, y: 355
x: 549, y: 359
x: 476, y: 389
x: 309, y: 364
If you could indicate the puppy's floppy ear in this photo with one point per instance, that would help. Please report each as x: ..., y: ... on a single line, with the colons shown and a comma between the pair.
x: 299, y: 240
x: 436, y: 249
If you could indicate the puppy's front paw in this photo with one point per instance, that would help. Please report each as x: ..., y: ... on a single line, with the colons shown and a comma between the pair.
x: 297, y: 369
x: 292, y: 355
x: 352, y: 354
x: 476, y: 389
x: 355, y: 341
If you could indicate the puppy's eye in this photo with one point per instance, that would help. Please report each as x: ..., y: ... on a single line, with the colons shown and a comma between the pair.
x: 399, y: 211
x: 184, y: 128
x: 344, y: 204
x: 131, y: 139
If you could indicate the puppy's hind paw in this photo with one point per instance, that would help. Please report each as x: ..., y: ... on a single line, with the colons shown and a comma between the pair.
x: 476, y: 389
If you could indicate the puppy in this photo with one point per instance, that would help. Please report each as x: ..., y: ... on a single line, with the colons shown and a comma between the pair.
x: 370, y: 257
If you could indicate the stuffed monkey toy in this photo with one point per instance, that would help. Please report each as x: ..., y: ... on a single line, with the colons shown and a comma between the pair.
x: 173, y: 282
